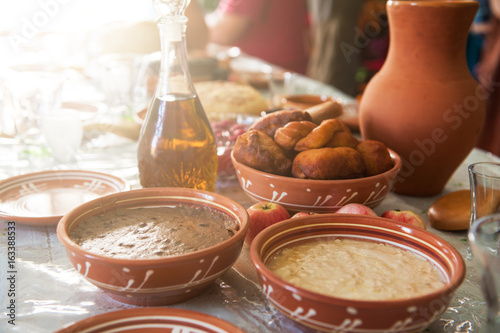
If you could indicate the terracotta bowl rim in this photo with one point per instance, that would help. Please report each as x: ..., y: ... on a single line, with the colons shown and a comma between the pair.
x: 391, y: 173
x: 452, y: 285
x: 156, y: 192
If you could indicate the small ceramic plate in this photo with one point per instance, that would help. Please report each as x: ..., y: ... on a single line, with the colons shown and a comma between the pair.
x: 42, y: 198
x: 162, y: 320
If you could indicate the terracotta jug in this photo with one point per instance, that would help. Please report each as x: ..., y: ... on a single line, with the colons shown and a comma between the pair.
x: 424, y: 103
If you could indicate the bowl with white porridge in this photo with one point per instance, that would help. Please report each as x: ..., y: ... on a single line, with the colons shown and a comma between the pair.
x: 356, y: 273
x: 154, y: 246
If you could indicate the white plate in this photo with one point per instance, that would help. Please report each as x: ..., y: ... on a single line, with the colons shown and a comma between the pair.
x: 42, y: 198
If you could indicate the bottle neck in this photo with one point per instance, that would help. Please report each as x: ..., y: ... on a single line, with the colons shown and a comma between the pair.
x: 174, y: 77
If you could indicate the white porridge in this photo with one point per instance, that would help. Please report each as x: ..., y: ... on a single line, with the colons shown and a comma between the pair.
x: 356, y: 269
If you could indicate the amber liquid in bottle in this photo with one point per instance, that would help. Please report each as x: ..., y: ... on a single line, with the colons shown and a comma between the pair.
x: 177, y: 147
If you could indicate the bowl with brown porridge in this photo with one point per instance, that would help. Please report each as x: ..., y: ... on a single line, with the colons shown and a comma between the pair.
x: 154, y: 246
x: 355, y: 273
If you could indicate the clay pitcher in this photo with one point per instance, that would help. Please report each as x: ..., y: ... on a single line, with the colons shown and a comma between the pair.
x: 424, y: 103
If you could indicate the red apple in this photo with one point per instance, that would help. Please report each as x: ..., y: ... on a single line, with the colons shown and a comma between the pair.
x: 262, y: 215
x: 405, y: 216
x: 355, y: 208
x: 300, y: 214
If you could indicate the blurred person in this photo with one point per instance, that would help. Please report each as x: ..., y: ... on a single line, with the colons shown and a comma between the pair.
x: 275, y: 31
x: 374, y: 23
x: 477, y: 33
x: 144, y: 37
x: 335, y: 55
x: 488, y: 72
x: 196, y: 30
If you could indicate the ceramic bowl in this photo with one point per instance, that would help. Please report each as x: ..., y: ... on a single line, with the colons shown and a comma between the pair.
x: 332, y: 314
x: 321, y: 196
x: 157, y: 281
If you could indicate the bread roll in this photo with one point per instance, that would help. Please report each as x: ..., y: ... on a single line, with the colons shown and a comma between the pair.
x: 376, y: 157
x: 328, y: 163
x: 257, y: 150
x: 321, y: 135
x: 451, y: 211
x: 288, y: 135
x: 270, y: 123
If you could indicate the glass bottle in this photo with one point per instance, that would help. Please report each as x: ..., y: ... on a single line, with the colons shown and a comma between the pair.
x: 176, y: 145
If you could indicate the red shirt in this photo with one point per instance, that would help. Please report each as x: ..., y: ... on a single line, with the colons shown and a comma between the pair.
x: 278, y: 33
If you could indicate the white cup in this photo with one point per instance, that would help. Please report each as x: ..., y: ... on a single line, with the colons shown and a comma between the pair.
x: 63, y: 132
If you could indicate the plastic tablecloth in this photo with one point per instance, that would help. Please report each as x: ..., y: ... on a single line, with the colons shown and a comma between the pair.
x: 48, y: 293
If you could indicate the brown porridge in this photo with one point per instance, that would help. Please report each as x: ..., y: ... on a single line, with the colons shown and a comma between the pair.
x: 356, y: 269
x: 153, y: 232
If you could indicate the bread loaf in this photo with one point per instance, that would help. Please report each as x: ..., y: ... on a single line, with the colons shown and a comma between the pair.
x: 222, y: 97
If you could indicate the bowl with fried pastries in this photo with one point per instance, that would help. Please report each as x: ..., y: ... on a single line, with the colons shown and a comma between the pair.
x: 356, y: 273
x: 316, y: 195
x: 154, y: 246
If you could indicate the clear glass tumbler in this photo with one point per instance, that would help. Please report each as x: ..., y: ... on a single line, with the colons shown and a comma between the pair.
x: 484, y: 240
x: 484, y: 179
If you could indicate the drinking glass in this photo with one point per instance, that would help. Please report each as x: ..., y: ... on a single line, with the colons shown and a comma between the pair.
x: 484, y: 240
x: 280, y: 85
x: 116, y: 74
x: 63, y: 132
x: 484, y: 179
x: 33, y: 91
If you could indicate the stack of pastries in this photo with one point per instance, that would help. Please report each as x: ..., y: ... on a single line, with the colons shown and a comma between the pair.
x: 288, y: 143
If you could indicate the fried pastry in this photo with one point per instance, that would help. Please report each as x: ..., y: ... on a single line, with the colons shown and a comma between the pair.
x: 288, y: 135
x: 321, y: 135
x: 272, y: 121
x: 343, y: 139
x: 257, y: 150
x: 376, y: 157
x: 328, y: 163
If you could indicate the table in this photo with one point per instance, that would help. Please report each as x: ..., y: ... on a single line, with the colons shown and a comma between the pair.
x: 50, y: 294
